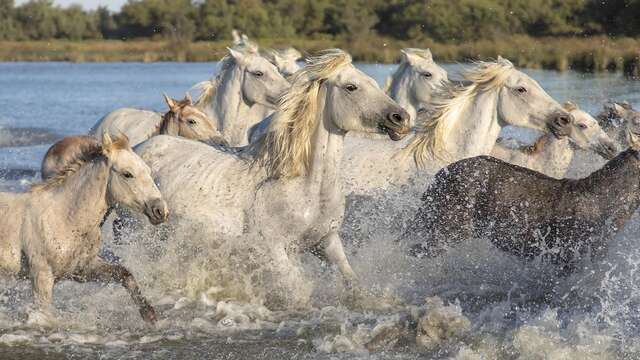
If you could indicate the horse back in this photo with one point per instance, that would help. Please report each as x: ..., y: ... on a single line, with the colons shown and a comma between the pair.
x: 137, y: 124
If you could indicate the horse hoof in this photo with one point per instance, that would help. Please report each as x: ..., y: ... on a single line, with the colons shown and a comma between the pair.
x: 148, y: 314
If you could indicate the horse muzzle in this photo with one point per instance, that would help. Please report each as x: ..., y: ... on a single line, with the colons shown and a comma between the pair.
x: 396, y: 125
x: 560, y: 124
x: 607, y: 149
x: 156, y: 211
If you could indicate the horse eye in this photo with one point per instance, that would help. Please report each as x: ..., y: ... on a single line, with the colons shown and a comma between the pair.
x: 521, y: 90
x: 258, y: 73
x: 351, y: 88
x: 582, y: 126
x: 127, y: 175
x: 428, y: 75
x: 192, y: 122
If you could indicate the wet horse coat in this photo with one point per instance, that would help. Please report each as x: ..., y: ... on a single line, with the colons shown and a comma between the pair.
x: 526, y: 213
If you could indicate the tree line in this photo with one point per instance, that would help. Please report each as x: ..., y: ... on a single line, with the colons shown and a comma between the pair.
x: 447, y: 21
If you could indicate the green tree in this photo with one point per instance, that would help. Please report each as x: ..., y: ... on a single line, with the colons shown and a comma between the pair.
x: 75, y: 24
x: 8, y: 27
x: 106, y: 23
x: 148, y: 18
x: 37, y: 19
x: 351, y: 17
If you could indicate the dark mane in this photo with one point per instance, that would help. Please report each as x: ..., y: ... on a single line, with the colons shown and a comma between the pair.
x: 73, y: 152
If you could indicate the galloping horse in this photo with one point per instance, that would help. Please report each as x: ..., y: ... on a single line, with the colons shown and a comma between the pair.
x: 56, y: 224
x: 551, y: 155
x: 465, y: 121
x: 247, y: 88
x: 286, y: 187
x: 526, y: 213
x: 182, y: 119
x: 415, y: 80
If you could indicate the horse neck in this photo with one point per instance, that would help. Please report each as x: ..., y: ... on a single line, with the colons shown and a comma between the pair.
x: 229, y: 106
x: 83, y: 195
x: 475, y: 128
x: 399, y: 91
x: 556, y: 155
x: 617, y: 178
x: 327, y: 143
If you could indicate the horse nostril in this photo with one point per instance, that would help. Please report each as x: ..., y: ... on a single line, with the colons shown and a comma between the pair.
x: 397, y: 118
x: 563, y: 119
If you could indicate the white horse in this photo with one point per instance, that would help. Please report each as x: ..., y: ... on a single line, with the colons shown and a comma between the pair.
x: 415, y: 80
x: 182, y: 119
x: 467, y: 119
x: 285, y: 188
x: 552, y: 156
x: 247, y: 88
x: 411, y: 86
x: 56, y: 224
x: 465, y: 122
x: 286, y: 60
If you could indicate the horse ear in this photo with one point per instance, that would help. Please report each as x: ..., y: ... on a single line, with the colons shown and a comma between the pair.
x: 427, y: 55
x: 618, y: 109
x: 277, y: 59
x: 504, y: 61
x: 409, y: 57
x: 237, y: 40
x: 238, y: 56
x: 569, y: 106
x: 107, y: 143
x: 634, y: 140
x: 188, y: 99
x: 170, y: 102
x: 415, y: 56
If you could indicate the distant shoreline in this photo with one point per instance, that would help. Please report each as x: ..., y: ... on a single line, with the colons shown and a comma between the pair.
x: 590, y: 54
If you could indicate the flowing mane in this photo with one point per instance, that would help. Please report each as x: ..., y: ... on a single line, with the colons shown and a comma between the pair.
x: 448, y: 101
x: 75, y: 152
x: 285, y: 149
x: 208, y: 88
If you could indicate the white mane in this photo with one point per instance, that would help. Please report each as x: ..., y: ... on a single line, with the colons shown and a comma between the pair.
x: 447, y: 102
x: 285, y: 149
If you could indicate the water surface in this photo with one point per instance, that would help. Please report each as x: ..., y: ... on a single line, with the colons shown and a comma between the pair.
x: 515, y: 309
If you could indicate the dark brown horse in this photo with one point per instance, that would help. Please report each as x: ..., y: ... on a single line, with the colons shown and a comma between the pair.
x: 526, y: 213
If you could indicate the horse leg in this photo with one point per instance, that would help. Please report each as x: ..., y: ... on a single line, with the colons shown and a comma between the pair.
x: 102, y: 271
x: 334, y: 252
x: 42, y: 281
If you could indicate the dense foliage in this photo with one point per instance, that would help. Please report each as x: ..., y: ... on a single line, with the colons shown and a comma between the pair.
x: 440, y: 20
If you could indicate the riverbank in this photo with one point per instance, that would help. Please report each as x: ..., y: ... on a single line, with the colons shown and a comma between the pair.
x: 593, y: 54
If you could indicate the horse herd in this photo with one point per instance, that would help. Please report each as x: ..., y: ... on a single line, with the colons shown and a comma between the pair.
x: 263, y: 150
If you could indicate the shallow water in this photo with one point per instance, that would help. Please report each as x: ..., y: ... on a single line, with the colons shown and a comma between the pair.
x: 493, y: 305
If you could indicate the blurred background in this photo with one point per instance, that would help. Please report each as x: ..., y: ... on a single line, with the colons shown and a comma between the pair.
x: 584, y: 35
